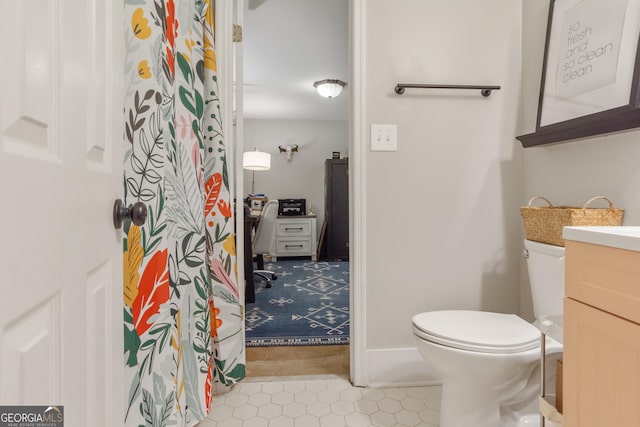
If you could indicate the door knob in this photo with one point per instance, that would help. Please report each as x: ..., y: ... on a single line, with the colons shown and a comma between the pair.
x: 137, y: 213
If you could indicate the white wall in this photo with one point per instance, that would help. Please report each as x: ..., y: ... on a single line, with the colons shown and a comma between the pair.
x: 443, y: 225
x: 303, y: 176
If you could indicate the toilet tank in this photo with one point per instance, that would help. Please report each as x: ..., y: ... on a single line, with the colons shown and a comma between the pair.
x: 546, y: 277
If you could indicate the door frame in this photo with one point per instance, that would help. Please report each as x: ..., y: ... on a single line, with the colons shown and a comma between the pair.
x: 357, y: 171
x: 357, y: 192
x: 224, y: 45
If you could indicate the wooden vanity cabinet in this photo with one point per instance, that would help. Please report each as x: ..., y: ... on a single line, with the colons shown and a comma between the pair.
x: 601, y: 336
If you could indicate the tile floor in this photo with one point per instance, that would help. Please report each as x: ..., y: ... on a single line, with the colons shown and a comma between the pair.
x: 319, y: 401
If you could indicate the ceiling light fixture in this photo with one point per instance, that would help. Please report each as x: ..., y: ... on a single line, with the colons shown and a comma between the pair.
x: 329, y: 88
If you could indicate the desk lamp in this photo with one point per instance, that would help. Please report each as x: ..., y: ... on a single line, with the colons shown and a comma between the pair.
x: 255, y: 161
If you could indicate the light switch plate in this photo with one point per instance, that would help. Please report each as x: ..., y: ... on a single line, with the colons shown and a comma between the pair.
x: 384, y: 138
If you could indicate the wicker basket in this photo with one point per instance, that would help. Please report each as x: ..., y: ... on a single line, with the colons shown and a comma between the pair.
x: 544, y: 223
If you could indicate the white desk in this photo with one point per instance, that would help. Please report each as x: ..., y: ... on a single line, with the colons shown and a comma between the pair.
x: 296, y: 236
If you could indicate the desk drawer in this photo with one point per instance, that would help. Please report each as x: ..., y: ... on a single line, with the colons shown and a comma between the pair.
x: 293, y: 246
x: 604, y: 277
x: 300, y: 227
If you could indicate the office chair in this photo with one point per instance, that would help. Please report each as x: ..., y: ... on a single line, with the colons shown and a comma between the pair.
x: 264, y: 240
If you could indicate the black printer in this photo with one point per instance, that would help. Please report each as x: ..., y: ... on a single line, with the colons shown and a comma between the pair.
x: 292, y: 207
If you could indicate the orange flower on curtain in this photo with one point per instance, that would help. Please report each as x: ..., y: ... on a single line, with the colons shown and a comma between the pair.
x: 153, y: 291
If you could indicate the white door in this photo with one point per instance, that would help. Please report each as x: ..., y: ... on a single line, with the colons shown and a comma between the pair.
x: 60, y: 171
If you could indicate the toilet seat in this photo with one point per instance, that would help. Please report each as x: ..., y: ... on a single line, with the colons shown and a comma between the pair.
x: 477, y: 331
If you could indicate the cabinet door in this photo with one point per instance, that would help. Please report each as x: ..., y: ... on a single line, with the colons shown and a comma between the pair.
x: 601, y: 368
x: 337, y: 209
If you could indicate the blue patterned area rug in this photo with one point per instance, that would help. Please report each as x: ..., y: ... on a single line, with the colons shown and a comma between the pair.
x: 308, y: 304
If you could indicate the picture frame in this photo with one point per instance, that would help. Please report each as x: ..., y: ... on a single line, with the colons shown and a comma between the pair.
x: 256, y: 203
x: 591, y: 71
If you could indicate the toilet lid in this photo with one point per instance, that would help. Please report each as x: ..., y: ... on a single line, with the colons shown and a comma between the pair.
x: 477, y: 331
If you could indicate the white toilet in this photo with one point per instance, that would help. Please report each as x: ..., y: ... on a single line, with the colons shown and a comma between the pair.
x: 489, y: 362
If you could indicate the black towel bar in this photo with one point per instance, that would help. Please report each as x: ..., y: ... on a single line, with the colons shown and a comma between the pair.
x: 484, y: 90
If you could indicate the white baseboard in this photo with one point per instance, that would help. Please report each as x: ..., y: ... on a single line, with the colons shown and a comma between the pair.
x: 398, y: 367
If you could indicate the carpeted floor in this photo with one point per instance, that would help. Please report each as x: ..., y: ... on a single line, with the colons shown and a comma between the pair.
x: 307, y: 305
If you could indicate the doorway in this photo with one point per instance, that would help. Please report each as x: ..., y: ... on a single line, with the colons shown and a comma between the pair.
x: 289, y: 44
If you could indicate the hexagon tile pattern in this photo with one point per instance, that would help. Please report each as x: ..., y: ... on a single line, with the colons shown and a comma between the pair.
x: 327, y: 401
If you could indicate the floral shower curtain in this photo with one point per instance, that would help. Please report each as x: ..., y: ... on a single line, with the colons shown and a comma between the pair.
x: 182, y: 315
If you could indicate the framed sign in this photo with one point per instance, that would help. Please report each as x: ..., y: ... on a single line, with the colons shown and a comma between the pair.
x: 591, y: 72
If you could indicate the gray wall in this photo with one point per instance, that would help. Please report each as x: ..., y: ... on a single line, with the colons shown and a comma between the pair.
x: 443, y: 225
x: 303, y: 176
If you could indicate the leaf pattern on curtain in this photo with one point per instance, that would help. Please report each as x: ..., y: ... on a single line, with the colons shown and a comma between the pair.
x: 182, y: 315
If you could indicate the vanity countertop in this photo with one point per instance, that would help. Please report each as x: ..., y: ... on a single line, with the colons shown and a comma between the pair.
x: 622, y: 237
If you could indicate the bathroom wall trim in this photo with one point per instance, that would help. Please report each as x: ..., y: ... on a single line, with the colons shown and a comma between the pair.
x: 357, y: 191
x: 399, y: 367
